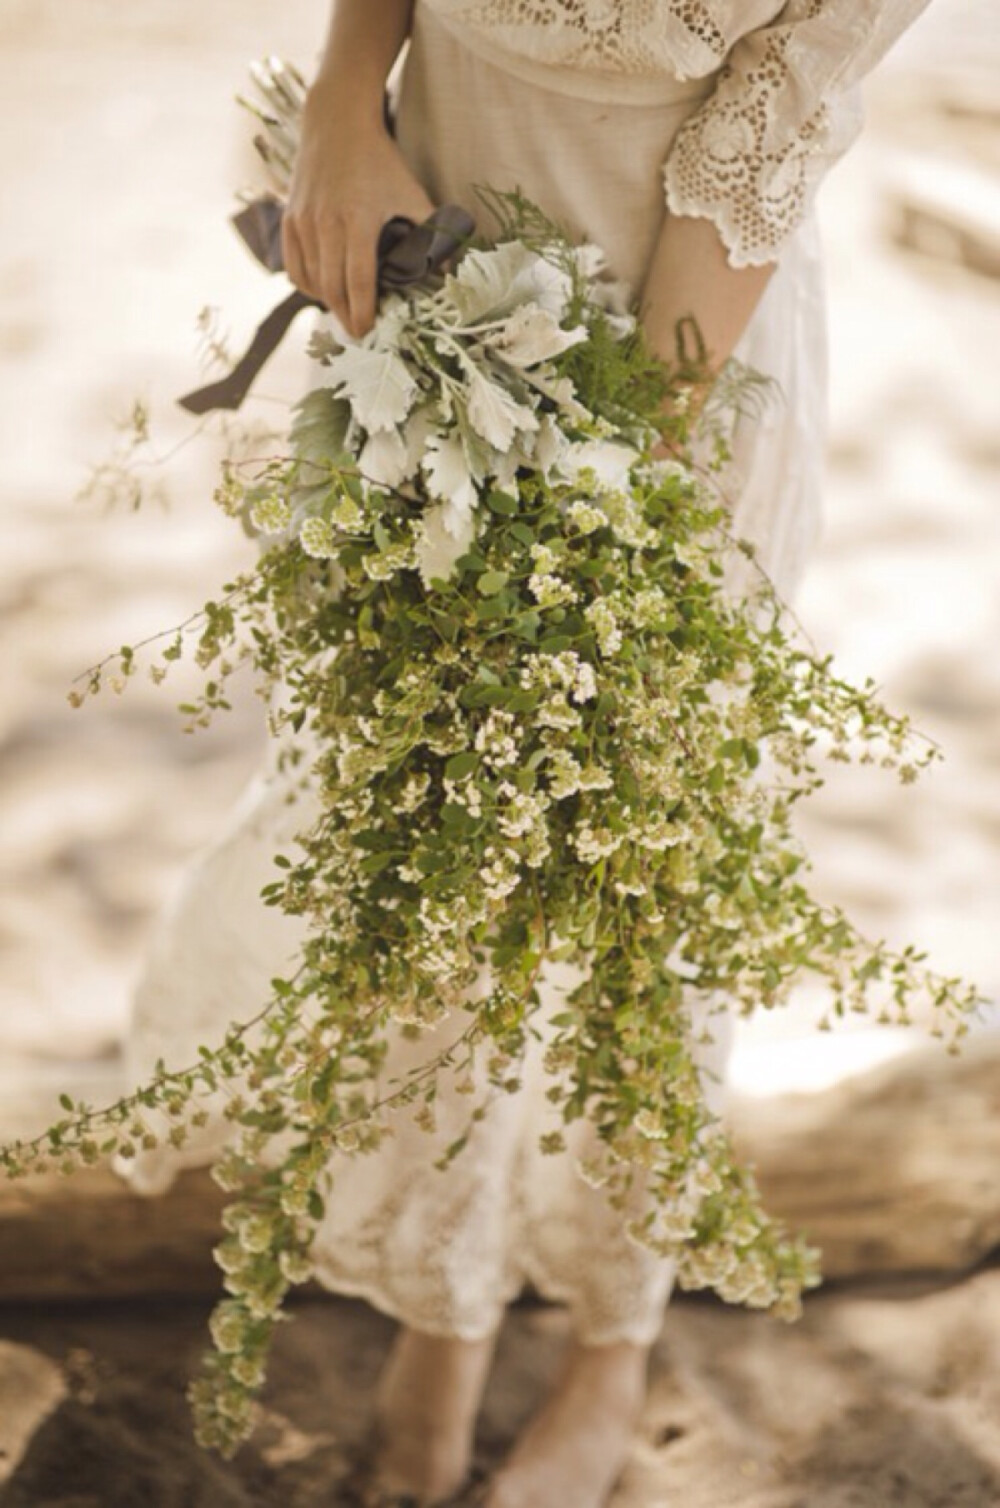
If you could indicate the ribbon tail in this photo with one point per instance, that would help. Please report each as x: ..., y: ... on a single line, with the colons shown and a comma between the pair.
x: 230, y: 391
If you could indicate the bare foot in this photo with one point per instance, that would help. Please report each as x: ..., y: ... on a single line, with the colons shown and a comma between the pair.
x: 573, y: 1451
x: 428, y: 1399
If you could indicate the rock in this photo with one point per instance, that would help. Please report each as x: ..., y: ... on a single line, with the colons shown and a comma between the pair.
x: 31, y: 1387
x: 946, y: 210
x: 895, y: 1171
x: 90, y: 1236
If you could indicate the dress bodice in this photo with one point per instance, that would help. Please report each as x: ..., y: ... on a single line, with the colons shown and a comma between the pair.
x: 781, y: 105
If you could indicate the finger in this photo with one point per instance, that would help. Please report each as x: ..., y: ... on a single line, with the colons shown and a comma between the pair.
x: 331, y: 286
x: 293, y: 254
x: 361, y: 276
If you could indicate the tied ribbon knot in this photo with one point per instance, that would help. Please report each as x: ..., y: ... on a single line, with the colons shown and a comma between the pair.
x: 407, y: 254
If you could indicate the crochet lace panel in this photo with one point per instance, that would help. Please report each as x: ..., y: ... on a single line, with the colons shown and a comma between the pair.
x: 619, y: 36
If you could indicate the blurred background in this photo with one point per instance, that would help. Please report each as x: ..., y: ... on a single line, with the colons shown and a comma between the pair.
x: 120, y: 150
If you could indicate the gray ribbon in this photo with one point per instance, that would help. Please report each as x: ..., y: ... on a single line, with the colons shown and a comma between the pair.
x: 407, y: 254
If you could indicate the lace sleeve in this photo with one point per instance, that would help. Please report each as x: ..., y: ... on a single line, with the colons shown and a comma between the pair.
x: 783, y: 110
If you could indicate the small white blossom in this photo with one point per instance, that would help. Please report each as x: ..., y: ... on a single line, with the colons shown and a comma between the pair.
x: 650, y: 1125
x: 384, y: 565
x: 414, y: 791
x: 594, y: 778
x: 495, y: 739
x: 499, y: 877
x: 647, y: 606
x: 564, y: 774
x: 523, y: 812
x: 316, y: 538
x: 550, y: 591
x: 465, y: 793
x: 347, y: 514
x: 545, y: 558
x: 271, y: 514
x: 601, y: 617
x: 593, y: 844
x: 585, y: 517
x: 657, y: 833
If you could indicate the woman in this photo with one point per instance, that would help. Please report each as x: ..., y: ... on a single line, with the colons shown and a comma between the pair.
x: 593, y: 108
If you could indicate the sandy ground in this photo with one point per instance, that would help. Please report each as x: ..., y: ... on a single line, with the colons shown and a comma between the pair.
x: 876, y: 1400
x: 119, y: 151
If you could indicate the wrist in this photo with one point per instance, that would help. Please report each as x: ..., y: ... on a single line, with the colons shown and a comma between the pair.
x: 355, y: 101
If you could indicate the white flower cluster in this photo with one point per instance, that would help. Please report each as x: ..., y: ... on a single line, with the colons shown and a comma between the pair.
x: 500, y: 874
x: 495, y: 739
x: 271, y: 514
x: 562, y: 677
x: 603, y: 620
x: 465, y: 793
x: 585, y: 516
x: 522, y: 815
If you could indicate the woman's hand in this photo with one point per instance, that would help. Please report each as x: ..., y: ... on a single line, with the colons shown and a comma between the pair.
x: 350, y: 178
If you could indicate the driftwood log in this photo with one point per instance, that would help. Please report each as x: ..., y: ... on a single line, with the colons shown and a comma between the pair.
x: 894, y: 1172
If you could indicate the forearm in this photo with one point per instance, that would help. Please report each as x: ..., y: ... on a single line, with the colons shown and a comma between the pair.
x: 350, y: 177
x: 690, y: 277
x: 363, y: 42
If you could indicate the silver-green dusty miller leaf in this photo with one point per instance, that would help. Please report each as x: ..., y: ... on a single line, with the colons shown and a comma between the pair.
x: 551, y: 446
x: 493, y: 413
x: 531, y: 335
x: 378, y: 385
x: 444, y: 536
x: 494, y: 283
x: 319, y: 431
x: 447, y: 472
x: 609, y: 460
x: 384, y: 458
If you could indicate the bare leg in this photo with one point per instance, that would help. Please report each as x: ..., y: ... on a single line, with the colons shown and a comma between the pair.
x: 428, y: 1399
x: 573, y: 1451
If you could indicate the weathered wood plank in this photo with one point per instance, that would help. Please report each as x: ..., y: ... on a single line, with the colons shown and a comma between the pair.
x: 897, y: 1171
x: 89, y: 1235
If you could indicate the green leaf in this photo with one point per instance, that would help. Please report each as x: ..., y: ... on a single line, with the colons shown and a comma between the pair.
x: 460, y: 765
x: 455, y: 815
x: 485, y: 696
x: 374, y: 863
x: 491, y: 582
x: 492, y: 607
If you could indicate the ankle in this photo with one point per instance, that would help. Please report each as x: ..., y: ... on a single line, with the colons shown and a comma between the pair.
x: 617, y: 1372
x: 426, y: 1408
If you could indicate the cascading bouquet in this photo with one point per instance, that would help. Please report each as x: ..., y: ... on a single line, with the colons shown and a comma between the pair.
x: 534, y: 723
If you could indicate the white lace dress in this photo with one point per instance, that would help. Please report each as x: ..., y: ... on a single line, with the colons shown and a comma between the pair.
x: 608, y: 113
